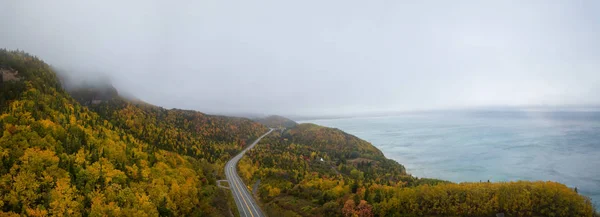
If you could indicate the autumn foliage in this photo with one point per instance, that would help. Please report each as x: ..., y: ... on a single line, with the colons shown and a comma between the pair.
x: 354, y: 179
x: 59, y: 158
x: 123, y: 158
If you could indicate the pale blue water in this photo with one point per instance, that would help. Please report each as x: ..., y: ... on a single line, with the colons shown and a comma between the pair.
x: 499, y: 146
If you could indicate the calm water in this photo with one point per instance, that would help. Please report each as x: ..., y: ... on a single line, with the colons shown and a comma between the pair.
x: 496, y: 146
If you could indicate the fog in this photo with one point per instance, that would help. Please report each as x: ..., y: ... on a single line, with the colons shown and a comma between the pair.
x: 320, y: 57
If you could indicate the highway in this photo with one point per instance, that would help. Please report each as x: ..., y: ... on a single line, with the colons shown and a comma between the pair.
x: 246, y: 204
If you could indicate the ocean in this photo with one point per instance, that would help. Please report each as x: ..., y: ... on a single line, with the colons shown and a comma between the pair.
x: 473, y: 146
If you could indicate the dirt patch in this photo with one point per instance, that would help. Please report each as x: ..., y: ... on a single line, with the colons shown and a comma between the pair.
x: 9, y: 74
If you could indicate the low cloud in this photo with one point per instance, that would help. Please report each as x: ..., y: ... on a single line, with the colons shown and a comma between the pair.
x: 315, y: 57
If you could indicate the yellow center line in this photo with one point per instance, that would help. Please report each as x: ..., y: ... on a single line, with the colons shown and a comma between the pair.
x: 232, y: 187
x: 234, y: 177
x: 240, y: 191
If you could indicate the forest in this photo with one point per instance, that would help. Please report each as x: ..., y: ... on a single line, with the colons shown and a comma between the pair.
x: 118, y: 158
x: 61, y: 155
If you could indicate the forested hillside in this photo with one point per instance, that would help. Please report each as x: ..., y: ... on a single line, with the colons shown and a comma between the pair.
x: 61, y: 158
x: 311, y: 170
x: 276, y: 121
x: 214, y: 138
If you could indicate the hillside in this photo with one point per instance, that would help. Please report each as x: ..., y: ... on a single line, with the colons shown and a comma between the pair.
x: 61, y: 158
x: 311, y: 170
x: 275, y: 121
x: 214, y: 138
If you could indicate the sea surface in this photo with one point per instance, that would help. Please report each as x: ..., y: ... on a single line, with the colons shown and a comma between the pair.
x: 489, y: 145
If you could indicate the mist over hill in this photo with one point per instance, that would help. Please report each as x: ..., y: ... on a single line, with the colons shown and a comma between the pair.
x: 276, y: 121
x: 346, y: 58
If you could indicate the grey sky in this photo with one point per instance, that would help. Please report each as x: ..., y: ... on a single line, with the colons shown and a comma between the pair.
x: 321, y: 57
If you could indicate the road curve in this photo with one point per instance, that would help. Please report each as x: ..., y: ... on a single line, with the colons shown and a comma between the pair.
x: 246, y: 204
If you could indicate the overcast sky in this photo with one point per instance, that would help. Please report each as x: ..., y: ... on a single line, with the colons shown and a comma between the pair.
x: 321, y: 57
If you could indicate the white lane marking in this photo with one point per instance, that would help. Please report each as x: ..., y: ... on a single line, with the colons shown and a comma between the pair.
x: 239, y: 190
x: 230, y: 173
x: 236, y: 179
x: 245, y: 193
x: 237, y: 196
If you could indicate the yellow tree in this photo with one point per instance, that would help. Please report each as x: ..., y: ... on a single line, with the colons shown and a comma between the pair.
x: 64, y: 199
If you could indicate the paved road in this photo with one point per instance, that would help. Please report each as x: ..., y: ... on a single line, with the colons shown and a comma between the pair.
x: 243, y: 199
